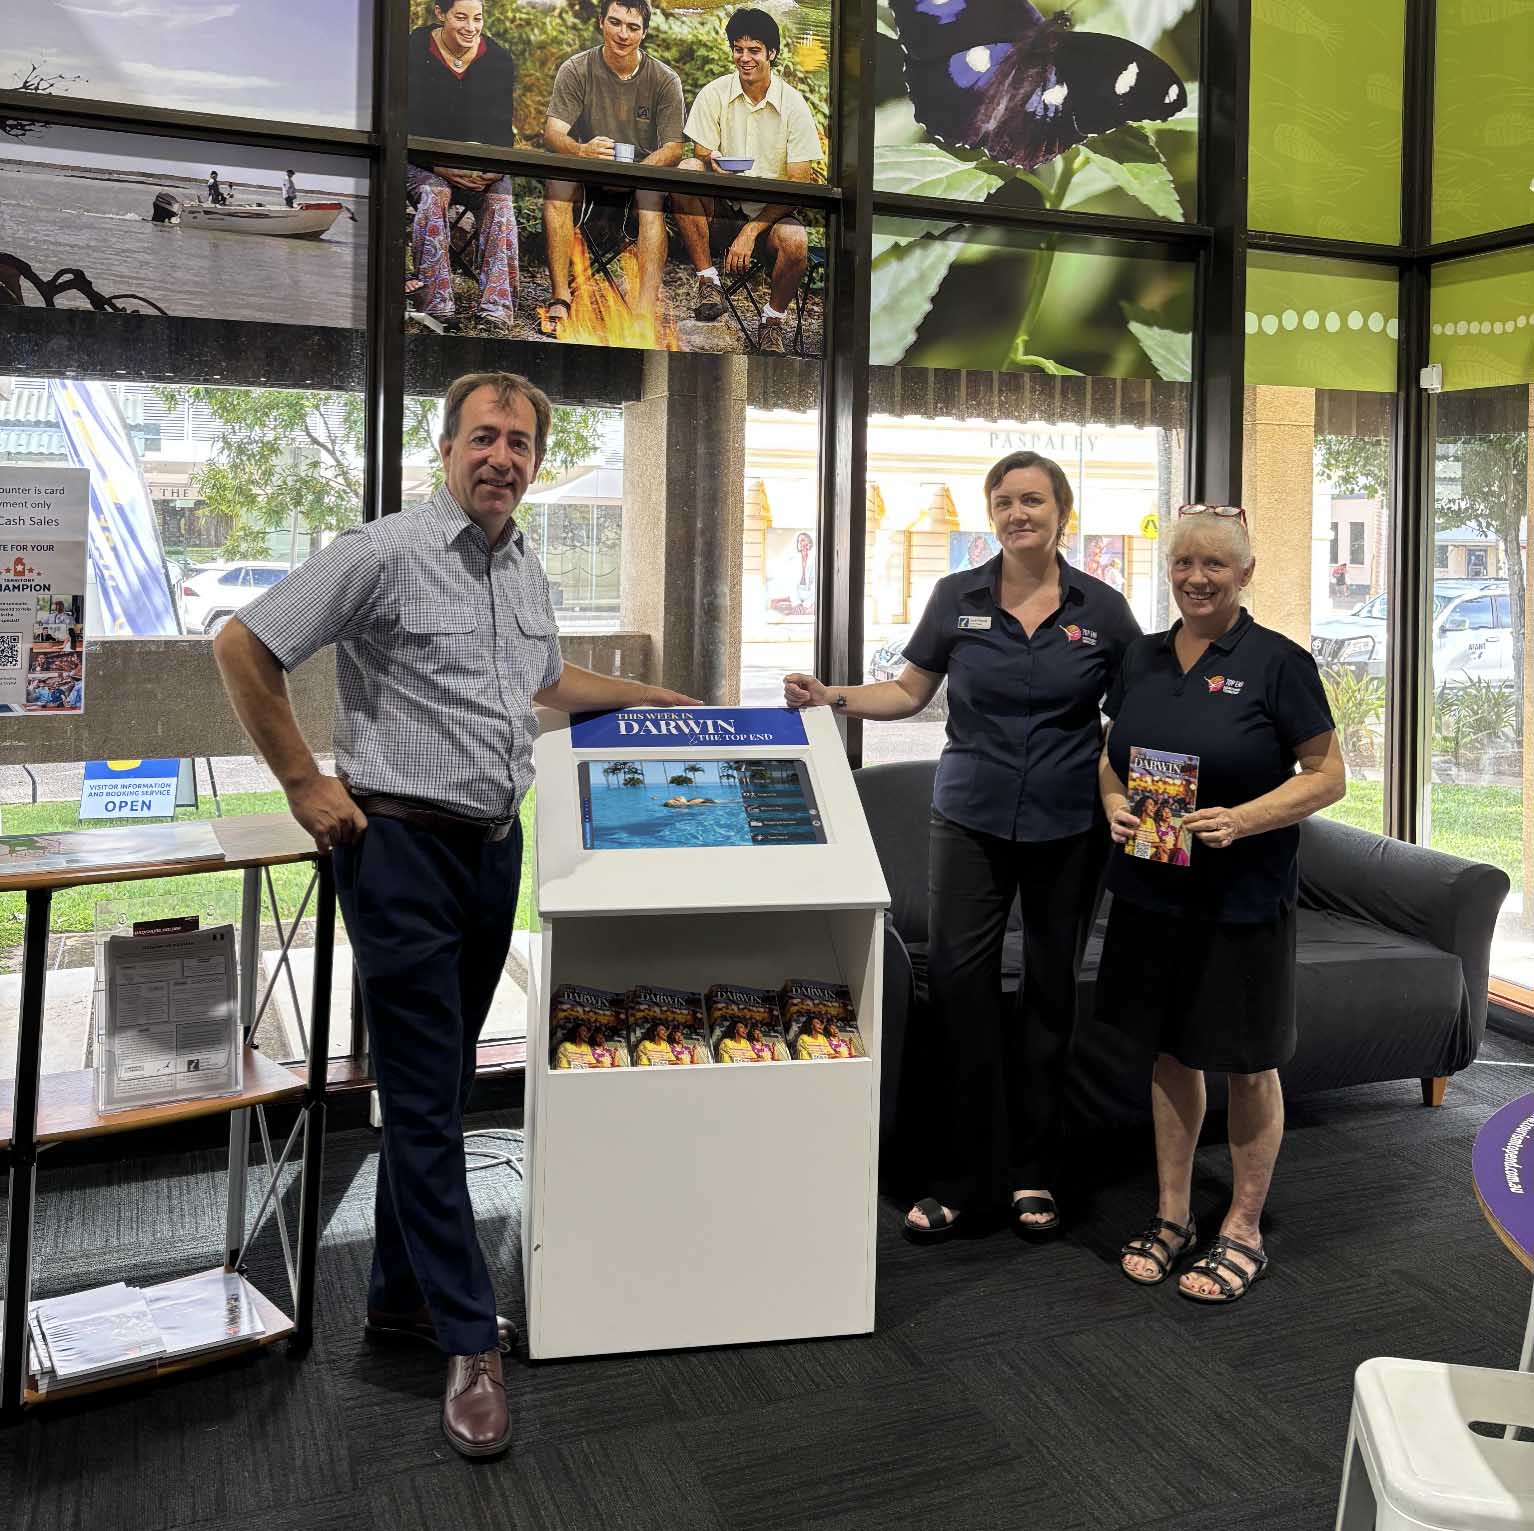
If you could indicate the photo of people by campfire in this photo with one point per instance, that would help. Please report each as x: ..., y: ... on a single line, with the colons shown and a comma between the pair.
x: 716, y: 90
x: 1163, y: 791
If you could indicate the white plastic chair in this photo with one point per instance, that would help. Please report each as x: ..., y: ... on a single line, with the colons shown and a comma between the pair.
x: 1414, y: 1462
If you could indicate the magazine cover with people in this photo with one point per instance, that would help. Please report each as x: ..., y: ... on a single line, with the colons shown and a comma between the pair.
x: 666, y: 1027
x: 744, y: 1025
x: 820, y: 1022
x: 1163, y: 791
x: 586, y: 1029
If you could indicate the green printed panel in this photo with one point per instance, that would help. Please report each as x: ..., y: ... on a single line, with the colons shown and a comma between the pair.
x: 1483, y: 320
x: 1483, y: 133
x: 1320, y: 324
x: 1325, y: 150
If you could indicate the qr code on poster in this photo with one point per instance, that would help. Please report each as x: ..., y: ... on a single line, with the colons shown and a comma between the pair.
x: 10, y: 651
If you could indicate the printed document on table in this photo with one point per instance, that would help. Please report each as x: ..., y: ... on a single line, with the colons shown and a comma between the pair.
x: 170, y: 1026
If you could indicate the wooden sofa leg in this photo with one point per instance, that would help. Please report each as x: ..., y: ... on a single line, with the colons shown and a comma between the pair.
x: 1433, y: 1091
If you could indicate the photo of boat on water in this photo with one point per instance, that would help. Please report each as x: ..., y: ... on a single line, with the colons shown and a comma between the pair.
x: 155, y: 227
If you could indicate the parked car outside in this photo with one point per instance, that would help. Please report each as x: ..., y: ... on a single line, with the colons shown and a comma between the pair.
x: 1472, y: 634
x: 216, y: 591
x: 888, y: 660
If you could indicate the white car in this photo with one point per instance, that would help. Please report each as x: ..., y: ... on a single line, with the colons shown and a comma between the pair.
x: 213, y: 593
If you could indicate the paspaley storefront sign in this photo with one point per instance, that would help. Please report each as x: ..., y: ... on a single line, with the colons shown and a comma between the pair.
x: 43, y: 517
x: 129, y: 789
x: 697, y: 728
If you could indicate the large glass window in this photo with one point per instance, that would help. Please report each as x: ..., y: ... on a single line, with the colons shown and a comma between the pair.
x: 1319, y: 417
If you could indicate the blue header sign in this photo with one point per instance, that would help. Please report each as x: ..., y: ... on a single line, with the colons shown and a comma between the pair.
x: 696, y: 728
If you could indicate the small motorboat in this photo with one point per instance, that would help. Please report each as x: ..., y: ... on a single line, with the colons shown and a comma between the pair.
x: 305, y: 220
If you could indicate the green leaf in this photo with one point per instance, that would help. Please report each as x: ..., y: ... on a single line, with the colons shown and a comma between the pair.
x: 1170, y: 351
x: 1146, y: 180
x: 884, y: 20
x: 1018, y: 360
x: 1142, y: 21
x: 895, y: 123
x: 892, y: 233
x: 924, y: 170
x: 905, y: 281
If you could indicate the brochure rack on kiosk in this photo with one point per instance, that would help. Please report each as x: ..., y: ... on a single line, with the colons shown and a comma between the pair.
x: 717, y: 1205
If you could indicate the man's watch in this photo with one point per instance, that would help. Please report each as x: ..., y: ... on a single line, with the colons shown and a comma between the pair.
x: 841, y: 701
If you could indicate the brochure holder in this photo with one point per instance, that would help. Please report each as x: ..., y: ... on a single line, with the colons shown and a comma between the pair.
x: 717, y: 1205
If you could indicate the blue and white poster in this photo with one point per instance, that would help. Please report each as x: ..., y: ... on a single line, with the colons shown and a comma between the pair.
x: 129, y: 789
x: 655, y: 728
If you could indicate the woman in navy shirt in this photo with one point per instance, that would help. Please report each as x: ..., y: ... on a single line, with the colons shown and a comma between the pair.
x: 1029, y: 645
x: 1198, y: 961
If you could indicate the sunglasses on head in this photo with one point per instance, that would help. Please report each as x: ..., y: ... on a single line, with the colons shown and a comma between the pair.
x: 1213, y: 510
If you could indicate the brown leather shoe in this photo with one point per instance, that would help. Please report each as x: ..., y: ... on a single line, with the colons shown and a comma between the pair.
x: 418, y: 1326
x: 709, y: 304
x: 770, y: 340
x: 474, y: 1415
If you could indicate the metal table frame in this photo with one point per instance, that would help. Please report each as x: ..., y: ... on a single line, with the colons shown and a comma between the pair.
x: 21, y: 1155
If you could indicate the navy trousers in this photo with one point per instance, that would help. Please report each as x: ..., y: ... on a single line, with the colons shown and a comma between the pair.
x: 429, y: 918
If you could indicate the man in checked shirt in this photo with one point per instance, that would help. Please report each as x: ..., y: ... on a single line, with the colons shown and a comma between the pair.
x: 445, y: 639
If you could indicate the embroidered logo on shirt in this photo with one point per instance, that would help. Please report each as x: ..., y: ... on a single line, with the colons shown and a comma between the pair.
x: 1224, y: 683
x: 642, y: 113
x: 974, y: 624
x: 1074, y: 634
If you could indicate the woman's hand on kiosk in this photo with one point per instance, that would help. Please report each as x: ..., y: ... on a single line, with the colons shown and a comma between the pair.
x: 805, y: 691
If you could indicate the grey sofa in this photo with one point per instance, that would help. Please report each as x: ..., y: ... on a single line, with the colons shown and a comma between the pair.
x: 1394, y: 957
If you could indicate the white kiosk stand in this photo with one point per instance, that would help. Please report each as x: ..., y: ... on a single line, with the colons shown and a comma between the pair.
x: 716, y: 1205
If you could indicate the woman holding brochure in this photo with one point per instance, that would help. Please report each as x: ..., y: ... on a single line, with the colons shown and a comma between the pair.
x: 1029, y: 645
x: 1198, y: 961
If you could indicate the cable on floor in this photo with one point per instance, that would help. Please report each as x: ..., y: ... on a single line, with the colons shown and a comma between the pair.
x: 493, y: 1158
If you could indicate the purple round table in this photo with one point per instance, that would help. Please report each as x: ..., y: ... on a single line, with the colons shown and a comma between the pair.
x: 1502, y: 1164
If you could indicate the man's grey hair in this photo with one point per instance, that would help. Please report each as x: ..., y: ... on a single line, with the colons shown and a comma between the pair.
x: 509, y: 387
x: 1223, y: 532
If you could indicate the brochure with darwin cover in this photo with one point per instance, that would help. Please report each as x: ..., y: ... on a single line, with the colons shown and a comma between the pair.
x: 1163, y: 791
x: 744, y: 1025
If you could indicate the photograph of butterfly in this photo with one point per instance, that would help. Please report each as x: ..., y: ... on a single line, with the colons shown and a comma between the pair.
x: 999, y: 77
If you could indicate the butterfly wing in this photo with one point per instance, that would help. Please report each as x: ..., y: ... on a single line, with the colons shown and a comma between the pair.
x: 951, y: 50
x: 1068, y: 87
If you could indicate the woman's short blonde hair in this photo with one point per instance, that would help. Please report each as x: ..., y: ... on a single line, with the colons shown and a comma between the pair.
x: 1227, y: 533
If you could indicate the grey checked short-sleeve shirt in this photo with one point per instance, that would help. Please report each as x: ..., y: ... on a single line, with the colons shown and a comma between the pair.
x: 441, y: 644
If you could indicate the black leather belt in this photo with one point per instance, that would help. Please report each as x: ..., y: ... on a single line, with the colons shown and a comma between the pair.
x: 440, y: 821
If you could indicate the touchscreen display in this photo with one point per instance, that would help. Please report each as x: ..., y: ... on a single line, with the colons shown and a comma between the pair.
x: 661, y: 804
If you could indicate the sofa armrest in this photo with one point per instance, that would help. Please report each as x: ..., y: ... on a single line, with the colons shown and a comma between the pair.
x: 1444, y: 900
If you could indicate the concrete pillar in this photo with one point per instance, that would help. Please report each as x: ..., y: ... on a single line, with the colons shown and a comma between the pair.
x: 1279, y: 474
x: 684, y: 456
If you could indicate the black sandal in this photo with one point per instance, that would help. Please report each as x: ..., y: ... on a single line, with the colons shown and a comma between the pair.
x: 939, y: 1225
x: 1217, y: 1258
x: 1038, y: 1233
x: 1151, y: 1246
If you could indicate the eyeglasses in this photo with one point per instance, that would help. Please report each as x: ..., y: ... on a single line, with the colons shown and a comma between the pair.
x: 1213, y: 510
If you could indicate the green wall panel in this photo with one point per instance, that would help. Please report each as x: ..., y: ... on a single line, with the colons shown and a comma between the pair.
x: 1320, y: 324
x: 1483, y: 102
x: 1325, y: 148
x: 1483, y: 320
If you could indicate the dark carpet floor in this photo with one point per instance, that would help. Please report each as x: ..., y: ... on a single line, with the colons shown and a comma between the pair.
x: 1005, y: 1386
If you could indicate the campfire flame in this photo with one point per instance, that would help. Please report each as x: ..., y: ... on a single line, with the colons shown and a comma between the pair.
x: 598, y: 314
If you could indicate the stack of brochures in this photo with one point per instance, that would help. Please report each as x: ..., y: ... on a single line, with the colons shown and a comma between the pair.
x: 111, y: 1330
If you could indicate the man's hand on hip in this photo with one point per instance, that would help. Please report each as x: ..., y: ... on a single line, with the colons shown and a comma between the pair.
x: 325, y: 809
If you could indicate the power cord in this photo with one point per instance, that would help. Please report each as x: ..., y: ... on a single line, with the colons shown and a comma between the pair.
x: 492, y: 1158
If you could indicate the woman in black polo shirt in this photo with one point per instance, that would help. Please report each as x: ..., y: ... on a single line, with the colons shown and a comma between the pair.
x: 1029, y: 645
x: 1198, y: 961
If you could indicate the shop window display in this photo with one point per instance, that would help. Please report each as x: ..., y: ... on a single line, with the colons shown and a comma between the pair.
x: 1320, y: 416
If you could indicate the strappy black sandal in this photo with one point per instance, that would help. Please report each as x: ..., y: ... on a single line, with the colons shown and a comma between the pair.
x: 1037, y: 1233
x: 1217, y: 1258
x: 1151, y: 1246
x: 939, y: 1225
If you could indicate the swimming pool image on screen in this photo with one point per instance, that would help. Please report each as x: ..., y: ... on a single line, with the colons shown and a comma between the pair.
x: 671, y: 804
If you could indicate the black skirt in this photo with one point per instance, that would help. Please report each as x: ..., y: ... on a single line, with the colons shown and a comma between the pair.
x: 1215, y: 996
